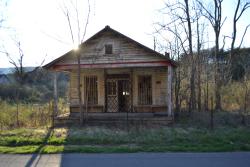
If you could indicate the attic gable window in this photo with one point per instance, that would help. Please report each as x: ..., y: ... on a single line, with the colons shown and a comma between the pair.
x: 108, y: 49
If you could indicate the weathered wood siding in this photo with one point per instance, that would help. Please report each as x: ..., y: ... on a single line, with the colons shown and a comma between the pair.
x: 159, y: 86
x: 93, y: 52
x: 73, y: 85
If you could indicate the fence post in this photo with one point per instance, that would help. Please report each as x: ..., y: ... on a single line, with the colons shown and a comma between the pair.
x: 212, y: 114
x: 55, y: 107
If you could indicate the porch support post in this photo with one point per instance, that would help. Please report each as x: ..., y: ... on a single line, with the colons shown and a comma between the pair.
x: 79, y: 86
x: 169, y: 91
x: 105, y: 90
x: 131, y: 90
x: 55, y: 109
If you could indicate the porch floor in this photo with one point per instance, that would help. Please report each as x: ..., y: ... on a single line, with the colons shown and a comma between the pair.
x: 115, y: 118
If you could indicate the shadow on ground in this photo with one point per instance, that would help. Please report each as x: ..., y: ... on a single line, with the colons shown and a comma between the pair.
x: 34, y: 160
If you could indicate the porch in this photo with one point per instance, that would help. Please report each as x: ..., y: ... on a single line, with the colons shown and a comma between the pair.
x: 122, y: 90
x: 115, y: 119
x: 120, y: 96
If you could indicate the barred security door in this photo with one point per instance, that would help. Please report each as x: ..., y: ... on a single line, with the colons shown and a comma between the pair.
x: 112, y: 95
x: 124, y: 95
x: 118, y: 94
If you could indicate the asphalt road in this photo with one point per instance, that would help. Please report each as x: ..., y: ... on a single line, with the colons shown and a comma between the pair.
x: 236, y: 159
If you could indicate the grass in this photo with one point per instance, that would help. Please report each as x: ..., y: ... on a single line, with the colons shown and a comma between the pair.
x: 103, y: 140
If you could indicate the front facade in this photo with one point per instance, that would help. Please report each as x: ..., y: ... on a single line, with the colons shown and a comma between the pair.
x: 118, y: 74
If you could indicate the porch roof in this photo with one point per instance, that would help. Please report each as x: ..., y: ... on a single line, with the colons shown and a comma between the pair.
x: 113, y: 65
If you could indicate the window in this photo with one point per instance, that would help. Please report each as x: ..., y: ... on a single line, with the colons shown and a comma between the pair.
x: 108, y: 49
x: 111, y: 88
x: 91, y: 93
x: 144, y: 90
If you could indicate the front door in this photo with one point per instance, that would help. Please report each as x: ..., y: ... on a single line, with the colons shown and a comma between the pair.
x: 112, y: 95
x: 124, y: 95
x: 118, y: 93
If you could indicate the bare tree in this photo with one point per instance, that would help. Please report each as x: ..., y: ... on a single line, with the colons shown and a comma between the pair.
x: 215, y: 19
x: 18, y: 65
x: 174, y: 47
x: 20, y: 75
x: 237, y: 15
x: 177, y: 78
x: 180, y: 26
x: 77, y: 34
x: 239, y: 11
x: 200, y: 28
x: 19, y: 72
x: 193, y: 67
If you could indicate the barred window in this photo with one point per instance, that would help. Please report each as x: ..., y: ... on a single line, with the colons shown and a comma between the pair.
x: 145, y: 90
x: 91, y: 93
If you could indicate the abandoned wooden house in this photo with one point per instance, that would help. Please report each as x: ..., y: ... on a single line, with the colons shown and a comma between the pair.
x: 118, y: 75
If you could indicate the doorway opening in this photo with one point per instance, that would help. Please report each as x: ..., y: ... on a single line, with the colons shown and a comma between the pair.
x: 118, y: 93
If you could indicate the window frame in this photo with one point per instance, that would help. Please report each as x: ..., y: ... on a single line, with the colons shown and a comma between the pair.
x: 108, y: 49
x: 91, y: 91
x: 145, y: 90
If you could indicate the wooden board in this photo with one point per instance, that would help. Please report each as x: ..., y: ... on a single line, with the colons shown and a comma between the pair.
x: 159, y: 84
x: 125, y: 53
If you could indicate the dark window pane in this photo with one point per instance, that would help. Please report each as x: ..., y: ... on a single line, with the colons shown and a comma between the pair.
x: 108, y: 49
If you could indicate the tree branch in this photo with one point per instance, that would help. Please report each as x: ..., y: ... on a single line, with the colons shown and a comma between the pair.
x: 87, y: 22
x: 208, y: 14
x: 244, y: 35
x: 70, y: 27
x: 245, y: 7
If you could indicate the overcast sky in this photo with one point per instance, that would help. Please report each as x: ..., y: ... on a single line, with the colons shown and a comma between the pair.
x: 43, y: 30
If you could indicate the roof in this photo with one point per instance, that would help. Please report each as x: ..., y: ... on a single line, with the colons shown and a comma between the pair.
x: 108, y: 29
